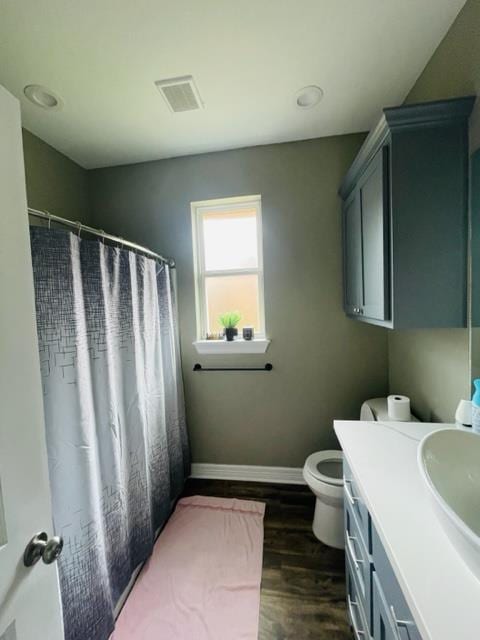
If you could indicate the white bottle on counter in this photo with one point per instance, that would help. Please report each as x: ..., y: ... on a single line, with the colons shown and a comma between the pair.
x: 463, y: 414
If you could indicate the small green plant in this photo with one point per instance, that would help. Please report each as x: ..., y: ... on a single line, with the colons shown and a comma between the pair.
x: 230, y: 319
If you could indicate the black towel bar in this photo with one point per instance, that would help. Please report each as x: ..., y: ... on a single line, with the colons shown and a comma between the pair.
x: 267, y: 367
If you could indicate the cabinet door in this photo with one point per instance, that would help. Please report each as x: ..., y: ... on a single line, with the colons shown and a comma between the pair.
x: 386, y: 626
x: 383, y: 625
x: 374, y: 198
x: 355, y: 610
x: 358, y: 560
x: 352, y: 254
x: 389, y: 603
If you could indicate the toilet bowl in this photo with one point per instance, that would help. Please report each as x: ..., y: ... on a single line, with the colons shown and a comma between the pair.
x: 323, y: 472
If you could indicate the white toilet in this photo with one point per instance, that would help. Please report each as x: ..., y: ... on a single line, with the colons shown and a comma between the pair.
x: 323, y: 472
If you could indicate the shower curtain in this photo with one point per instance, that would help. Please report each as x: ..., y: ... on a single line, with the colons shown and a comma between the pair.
x: 114, y: 413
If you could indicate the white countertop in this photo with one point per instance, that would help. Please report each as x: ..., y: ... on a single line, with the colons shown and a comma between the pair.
x: 442, y: 593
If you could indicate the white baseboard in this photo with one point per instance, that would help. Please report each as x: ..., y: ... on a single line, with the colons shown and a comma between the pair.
x: 252, y: 473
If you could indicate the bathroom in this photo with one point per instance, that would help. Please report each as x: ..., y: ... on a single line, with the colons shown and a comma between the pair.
x: 157, y: 183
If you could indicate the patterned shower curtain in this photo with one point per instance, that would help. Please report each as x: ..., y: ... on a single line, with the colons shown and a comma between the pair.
x: 114, y: 412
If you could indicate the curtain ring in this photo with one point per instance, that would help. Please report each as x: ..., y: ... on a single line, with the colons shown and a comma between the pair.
x: 79, y: 225
x: 49, y: 219
x: 102, y: 237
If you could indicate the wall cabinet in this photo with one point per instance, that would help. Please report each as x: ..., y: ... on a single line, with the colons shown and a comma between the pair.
x: 377, y: 608
x: 353, y: 270
x: 366, y: 242
x: 405, y: 219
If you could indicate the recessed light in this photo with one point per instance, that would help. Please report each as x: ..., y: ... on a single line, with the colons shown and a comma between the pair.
x: 308, y: 97
x: 43, y: 97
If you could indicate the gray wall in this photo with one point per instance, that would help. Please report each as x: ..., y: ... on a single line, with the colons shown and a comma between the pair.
x: 432, y: 367
x: 324, y: 364
x: 54, y: 182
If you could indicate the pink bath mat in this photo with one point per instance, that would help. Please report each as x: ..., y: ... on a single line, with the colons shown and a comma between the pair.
x: 202, y: 581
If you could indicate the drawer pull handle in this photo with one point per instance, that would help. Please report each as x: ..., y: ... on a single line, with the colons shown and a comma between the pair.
x: 351, y: 498
x: 399, y: 623
x: 356, y: 561
x: 358, y: 632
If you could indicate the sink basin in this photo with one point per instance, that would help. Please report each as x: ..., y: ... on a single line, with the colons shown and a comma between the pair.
x: 449, y: 462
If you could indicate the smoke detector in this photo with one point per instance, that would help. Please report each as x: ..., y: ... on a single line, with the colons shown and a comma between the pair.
x: 180, y: 94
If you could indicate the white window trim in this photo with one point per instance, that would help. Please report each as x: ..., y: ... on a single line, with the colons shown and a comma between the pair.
x: 197, y: 209
x: 239, y: 346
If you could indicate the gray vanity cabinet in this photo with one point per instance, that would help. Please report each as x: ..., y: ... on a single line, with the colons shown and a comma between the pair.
x: 377, y: 608
x: 405, y: 219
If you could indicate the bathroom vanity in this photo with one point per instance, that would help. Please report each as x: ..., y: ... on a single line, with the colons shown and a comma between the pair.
x: 405, y: 579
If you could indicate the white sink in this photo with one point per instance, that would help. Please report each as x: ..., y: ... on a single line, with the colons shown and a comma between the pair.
x: 449, y: 462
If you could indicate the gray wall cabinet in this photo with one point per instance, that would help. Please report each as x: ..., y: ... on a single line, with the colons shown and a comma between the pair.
x: 405, y: 219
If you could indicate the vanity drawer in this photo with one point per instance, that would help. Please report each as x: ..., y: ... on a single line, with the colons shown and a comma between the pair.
x: 359, y: 561
x: 355, y: 502
x: 389, y: 604
x: 356, y: 612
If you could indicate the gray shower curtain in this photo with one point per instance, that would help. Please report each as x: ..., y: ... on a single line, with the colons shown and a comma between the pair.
x: 114, y: 413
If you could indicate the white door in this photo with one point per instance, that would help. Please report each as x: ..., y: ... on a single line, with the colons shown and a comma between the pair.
x: 29, y: 597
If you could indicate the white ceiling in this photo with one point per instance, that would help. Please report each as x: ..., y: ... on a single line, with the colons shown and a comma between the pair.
x: 248, y: 58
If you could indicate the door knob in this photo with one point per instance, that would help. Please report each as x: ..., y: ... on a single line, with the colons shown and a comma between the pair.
x: 42, y: 547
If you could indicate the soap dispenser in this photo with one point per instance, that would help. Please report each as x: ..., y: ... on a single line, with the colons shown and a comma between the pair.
x: 476, y: 406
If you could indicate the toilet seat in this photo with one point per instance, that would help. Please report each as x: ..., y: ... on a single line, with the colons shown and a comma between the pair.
x: 313, y: 461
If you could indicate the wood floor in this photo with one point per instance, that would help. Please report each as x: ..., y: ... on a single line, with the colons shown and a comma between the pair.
x: 303, y: 581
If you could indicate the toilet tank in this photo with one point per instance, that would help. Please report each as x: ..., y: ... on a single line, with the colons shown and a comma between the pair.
x: 377, y: 409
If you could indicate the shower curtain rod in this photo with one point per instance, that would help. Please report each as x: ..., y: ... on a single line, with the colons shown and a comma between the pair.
x: 99, y: 232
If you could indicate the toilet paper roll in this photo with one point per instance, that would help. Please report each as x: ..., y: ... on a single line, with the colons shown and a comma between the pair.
x: 399, y: 408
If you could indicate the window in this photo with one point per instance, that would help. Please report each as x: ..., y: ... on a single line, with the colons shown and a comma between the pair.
x: 227, y: 240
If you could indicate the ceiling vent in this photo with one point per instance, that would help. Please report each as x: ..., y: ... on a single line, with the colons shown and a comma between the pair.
x: 181, y: 94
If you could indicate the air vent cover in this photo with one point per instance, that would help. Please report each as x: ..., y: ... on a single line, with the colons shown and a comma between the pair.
x: 180, y: 94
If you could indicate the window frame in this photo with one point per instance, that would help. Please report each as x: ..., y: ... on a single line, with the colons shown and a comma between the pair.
x: 228, y: 205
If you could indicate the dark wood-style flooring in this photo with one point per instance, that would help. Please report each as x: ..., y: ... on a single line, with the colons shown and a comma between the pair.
x: 303, y: 581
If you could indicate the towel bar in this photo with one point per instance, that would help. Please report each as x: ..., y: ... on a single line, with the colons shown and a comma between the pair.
x: 267, y: 367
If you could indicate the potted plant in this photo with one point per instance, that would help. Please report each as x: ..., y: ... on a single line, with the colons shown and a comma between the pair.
x: 229, y: 321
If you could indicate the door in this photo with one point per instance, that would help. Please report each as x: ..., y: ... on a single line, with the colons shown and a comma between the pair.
x: 352, y: 259
x: 374, y: 205
x: 29, y: 597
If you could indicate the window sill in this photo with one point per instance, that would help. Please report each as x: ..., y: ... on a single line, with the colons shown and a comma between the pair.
x: 222, y: 347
